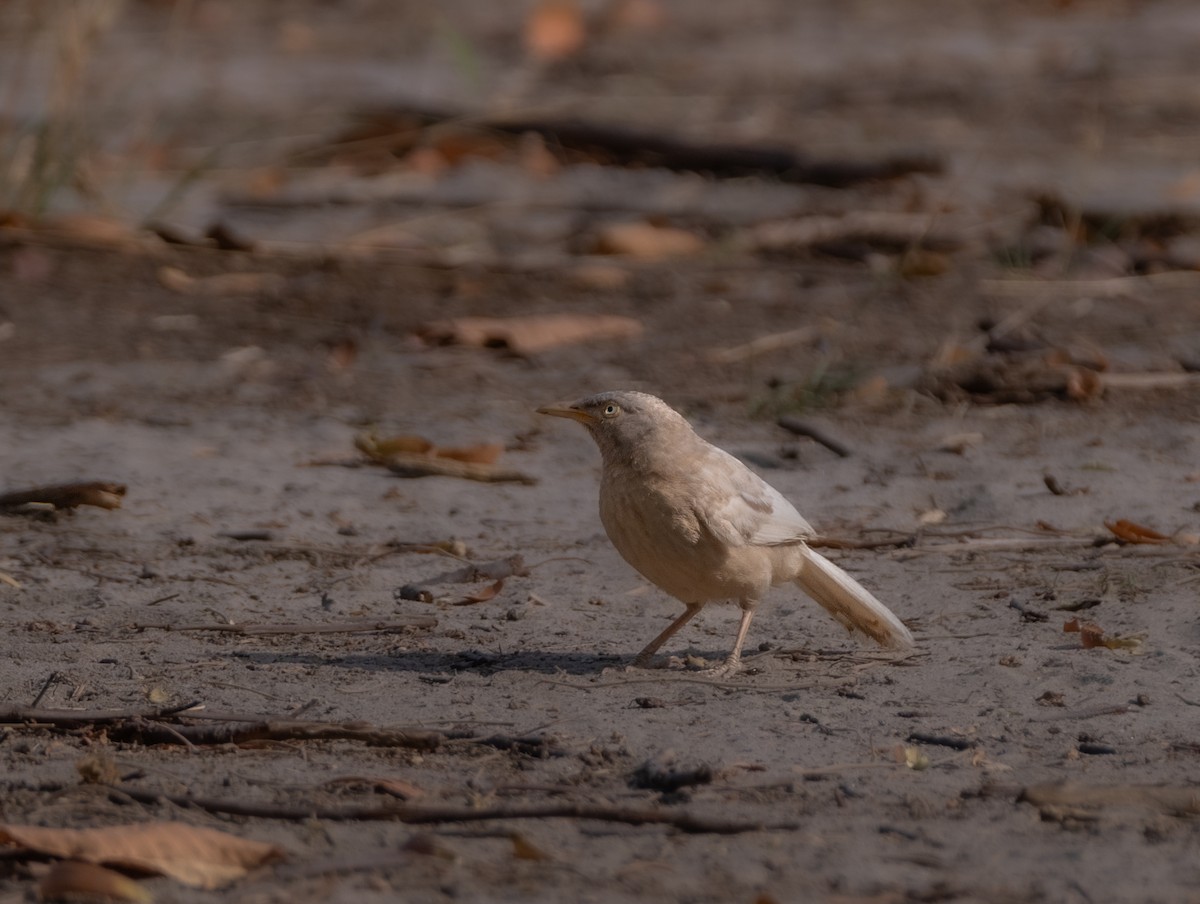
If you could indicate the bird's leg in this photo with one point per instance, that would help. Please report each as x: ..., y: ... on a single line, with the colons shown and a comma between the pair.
x: 733, y: 663
x: 643, y: 658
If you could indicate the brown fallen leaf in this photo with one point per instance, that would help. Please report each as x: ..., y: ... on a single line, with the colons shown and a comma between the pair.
x: 524, y: 849
x: 554, y: 30
x: 482, y: 596
x: 380, y: 449
x: 1092, y: 635
x: 1131, y: 532
x: 480, y: 453
x: 71, y: 880
x: 89, y: 231
x: 647, y: 241
x: 383, y: 449
x: 63, y: 496
x: 221, y: 284
x: 194, y: 855
x: 432, y: 466
x: 531, y: 334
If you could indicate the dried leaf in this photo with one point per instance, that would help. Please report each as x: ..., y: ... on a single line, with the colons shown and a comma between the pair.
x: 221, y: 284
x: 1091, y: 635
x: 931, y: 516
x: 482, y: 596
x: 555, y: 30
x: 959, y: 443
x: 481, y: 453
x: 606, y: 277
x: 635, y: 15
x: 1132, y: 532
x: 98, y: 768
x: 90, y: 231
x: 71, y: 880
x: 196, y: 856
x: 647, y: 241
x: 1084, y: 384
x: 64, y: 496
x: 428, y: 845
x: 380, y: 449
x: 524, y: 849
x: 531, y: 334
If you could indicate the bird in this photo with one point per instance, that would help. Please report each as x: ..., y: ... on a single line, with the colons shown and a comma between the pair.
x: 702, y: 527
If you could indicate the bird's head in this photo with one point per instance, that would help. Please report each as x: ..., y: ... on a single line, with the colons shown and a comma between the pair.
x: 622, y: 422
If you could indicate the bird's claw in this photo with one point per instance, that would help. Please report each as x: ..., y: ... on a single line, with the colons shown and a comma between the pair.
x: 724, y: 670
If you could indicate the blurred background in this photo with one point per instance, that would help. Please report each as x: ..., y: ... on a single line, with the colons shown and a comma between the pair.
x: 906, y: 157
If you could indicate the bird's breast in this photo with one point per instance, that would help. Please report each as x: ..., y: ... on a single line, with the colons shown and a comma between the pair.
x: 656, y: 529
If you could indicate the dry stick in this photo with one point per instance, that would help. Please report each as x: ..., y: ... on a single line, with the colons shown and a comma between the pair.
x: 156, y: 732
x: 804, y: 428
x: 418, y: 815
x: 416, y: 621
x: 1104, y: 288
x: 1008, y: 544
x: 1149, y: 380
x: 150, y: 728
x: 74, y: 718
x: 704, y: 682
x: 762, y: 345
x: 45, y: 687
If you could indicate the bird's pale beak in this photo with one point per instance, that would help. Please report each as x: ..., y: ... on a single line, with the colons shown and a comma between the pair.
x: 565, y: 409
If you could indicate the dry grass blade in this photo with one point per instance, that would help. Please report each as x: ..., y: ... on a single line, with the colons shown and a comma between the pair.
x: 390, y: 626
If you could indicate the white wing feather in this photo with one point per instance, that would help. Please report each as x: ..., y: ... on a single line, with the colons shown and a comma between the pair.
x: 750, y: 512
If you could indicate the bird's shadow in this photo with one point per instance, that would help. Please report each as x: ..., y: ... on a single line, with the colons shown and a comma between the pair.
x: 481, y: 662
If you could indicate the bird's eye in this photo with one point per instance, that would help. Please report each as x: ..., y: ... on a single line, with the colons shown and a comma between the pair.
x: 611, y: 410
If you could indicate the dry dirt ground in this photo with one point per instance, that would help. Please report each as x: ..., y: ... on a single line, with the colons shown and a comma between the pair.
x: 828, y: 771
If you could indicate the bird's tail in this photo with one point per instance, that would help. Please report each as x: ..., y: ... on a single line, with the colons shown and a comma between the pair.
x: 850, y: 602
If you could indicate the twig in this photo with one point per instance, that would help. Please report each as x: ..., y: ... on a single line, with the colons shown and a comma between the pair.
x: 1167, y: 380
x: 903, y: 541
x: 898, y: 231
x: 391, y: 626
x: 772, y: 342
x: 1007, y: 544
x: 704, y: 682
x: 804, y: 428
x: 918, y: 737
x: 425, y: 815
x: 153, y: 728
x: 1091, y: 712
x: 45, y: 687
x: 1102, y: 288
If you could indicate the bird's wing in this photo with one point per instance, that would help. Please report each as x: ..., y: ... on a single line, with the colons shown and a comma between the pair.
x: 741, y: 508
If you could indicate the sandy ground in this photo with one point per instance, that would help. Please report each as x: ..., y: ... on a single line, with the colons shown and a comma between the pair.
x: 834, y: 772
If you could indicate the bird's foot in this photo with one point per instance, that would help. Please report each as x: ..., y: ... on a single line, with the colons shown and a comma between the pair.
x: 730, y: 666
